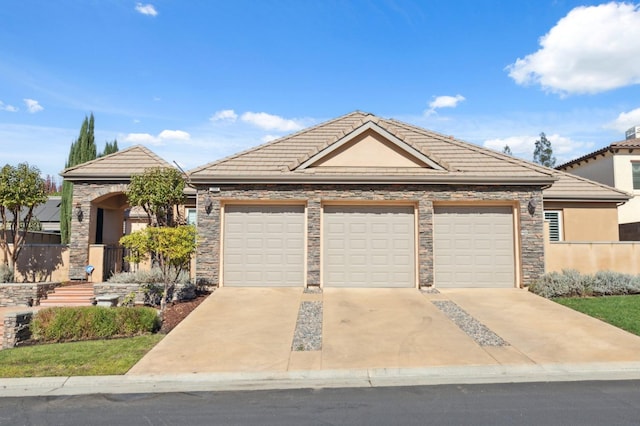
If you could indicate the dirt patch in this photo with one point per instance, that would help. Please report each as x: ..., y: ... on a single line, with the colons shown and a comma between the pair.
x: 175, y: 312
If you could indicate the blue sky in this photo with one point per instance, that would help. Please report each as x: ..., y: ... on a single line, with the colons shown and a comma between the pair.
x: 198, y: 80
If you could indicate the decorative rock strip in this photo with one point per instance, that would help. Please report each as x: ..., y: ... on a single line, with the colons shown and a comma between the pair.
x: 474, y: 328
x: 308, y: 334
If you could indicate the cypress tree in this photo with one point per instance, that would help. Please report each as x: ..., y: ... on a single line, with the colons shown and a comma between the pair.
x: 82, y: 150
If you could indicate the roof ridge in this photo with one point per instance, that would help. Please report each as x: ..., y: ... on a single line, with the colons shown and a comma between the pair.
x: 478, y: 148
x: 113, y: 154
x: 274, y: 142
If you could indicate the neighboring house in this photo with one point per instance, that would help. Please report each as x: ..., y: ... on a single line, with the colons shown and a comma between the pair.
x: 361, y: 201
x: 616, y: 165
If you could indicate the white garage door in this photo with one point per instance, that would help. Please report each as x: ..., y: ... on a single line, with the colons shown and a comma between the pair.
x: 473, y: 247
x: 263, y: 245
x: 368, y: 246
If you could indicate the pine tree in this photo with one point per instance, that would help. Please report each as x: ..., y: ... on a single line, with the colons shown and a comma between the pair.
x: 109, y: 148
x: 507, y: 150
x: 543, y: 153
x: 81, y: 151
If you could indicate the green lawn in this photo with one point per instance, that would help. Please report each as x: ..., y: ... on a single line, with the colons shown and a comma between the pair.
x: 621, y: 311
x: 91, y: 358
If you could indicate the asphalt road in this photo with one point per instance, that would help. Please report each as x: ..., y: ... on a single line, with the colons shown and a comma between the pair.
x: 580, y: 403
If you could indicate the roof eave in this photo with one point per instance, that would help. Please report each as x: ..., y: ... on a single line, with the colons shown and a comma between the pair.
x: 342, y: 179
x: 592, y: 199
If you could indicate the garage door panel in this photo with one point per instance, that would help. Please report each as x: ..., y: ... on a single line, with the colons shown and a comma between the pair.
x: 375, y: 245
x: 473, y: 246
x: 263, y: 245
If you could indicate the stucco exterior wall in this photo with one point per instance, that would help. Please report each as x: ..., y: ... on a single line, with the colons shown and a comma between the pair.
x: 529, y: 252
x: 600, y: 169
x: 591, y: 257
x: 587, y: 221
x: 630, y: 211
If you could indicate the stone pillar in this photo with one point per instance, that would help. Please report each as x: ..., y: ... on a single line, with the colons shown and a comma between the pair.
x: 208, y: 248
x: 79, y: 239
x: 313, y: 242
x: 531, y: 237
x: 425, y: 242
x: 16, y: 329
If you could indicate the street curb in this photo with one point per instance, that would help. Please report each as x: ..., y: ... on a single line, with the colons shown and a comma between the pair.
x: 377, y: 377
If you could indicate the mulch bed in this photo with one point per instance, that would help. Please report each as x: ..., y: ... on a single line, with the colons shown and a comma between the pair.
x: 175, y: 312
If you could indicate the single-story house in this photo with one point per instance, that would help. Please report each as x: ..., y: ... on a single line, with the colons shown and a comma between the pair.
x: 358, y: 201
x: 616, y: 165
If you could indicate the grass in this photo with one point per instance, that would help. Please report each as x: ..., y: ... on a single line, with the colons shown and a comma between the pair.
x: 90, y: 358
x: 621, y: 311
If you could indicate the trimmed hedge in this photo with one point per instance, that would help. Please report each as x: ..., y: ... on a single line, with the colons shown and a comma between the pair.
x: 62, y: 324
x: 571, y: 283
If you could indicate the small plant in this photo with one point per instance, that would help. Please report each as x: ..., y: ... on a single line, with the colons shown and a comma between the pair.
x: 6, y: 274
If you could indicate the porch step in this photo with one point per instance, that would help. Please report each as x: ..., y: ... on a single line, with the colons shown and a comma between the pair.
x: 73, y: 295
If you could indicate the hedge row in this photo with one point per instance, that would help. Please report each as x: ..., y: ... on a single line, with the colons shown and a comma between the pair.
x: 92, y: 322
x: 571, y: 283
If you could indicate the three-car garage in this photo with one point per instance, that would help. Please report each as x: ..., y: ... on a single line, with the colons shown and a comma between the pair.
x: 368, y: 245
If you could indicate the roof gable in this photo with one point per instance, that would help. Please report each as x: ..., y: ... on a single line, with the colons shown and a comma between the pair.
x: 369, y: 146
x: 120, y: 165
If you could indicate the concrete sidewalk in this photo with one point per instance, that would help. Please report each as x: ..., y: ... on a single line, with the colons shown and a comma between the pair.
x: 209, y: 382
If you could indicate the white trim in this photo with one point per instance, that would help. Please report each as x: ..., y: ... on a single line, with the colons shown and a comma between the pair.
x: 370, y: 125
x: 558, y: 219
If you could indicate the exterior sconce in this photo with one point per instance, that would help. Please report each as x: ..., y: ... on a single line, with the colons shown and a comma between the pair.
x: 531, y: 206
x: 208, y: 205
x: 78, y: 212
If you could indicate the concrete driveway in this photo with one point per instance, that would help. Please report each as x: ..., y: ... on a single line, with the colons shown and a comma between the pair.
x: 252, y: 329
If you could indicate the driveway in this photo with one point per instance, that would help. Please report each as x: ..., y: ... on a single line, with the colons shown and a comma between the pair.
x: 252, y: 329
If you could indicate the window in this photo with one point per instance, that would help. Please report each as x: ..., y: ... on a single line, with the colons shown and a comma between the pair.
x: 635, y: 168
x: 554, y: 217
x: 191, y: 216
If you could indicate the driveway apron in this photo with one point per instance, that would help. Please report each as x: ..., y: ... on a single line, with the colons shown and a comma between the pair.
x: 234, y: 329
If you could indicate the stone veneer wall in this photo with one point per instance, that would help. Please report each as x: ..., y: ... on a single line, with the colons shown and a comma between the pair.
x: 531, y: 246
x: 24, y: 294
x: 181, y: 293
x: 84, y: 194
x: 16, y: 329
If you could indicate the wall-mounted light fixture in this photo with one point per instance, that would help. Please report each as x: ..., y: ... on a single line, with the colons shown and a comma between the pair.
x: 78, y: 212
x: 531, y: 206
x: 208, y: 204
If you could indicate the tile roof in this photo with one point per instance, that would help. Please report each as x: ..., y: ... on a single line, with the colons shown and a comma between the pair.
x: 278, y: 161
x: 117, y: 166
x: 626, y: 144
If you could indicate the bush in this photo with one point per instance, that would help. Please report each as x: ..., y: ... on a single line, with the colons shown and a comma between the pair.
x: 571, y: 283
x: 6, y: 274
x: 152, y: 276
x: 95, y: 322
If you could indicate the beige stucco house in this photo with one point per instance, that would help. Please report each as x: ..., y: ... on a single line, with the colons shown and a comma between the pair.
x: 359, y: 201
x: 616, y: 165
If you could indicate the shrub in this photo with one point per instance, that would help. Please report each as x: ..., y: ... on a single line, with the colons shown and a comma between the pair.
x: 95, y: 322
x: 152, y: 276
x: 6, y: 274
x: 570, y: 283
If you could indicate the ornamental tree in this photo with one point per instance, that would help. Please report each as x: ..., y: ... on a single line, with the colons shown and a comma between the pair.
x: 21, y: 190
x: 159, y: 191
x: 170, y: 247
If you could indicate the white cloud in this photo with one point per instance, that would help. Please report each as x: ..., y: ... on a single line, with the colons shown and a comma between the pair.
x: 271, y: 122
x: 224, y: 115
x: 444, y: 102
x: 564, y: 148
x: 33, y: 106
x: 625, y: 121
x: 163, y: 136
x: 269, y: 138
x: 8, y: 108
x: 141, y: 138
x: 146, y: 9
x: 176, y: 135
x: 593, y: 49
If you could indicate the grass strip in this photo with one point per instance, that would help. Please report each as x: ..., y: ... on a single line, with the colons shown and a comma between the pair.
x: 621, y: 311
x: 89, y: 358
